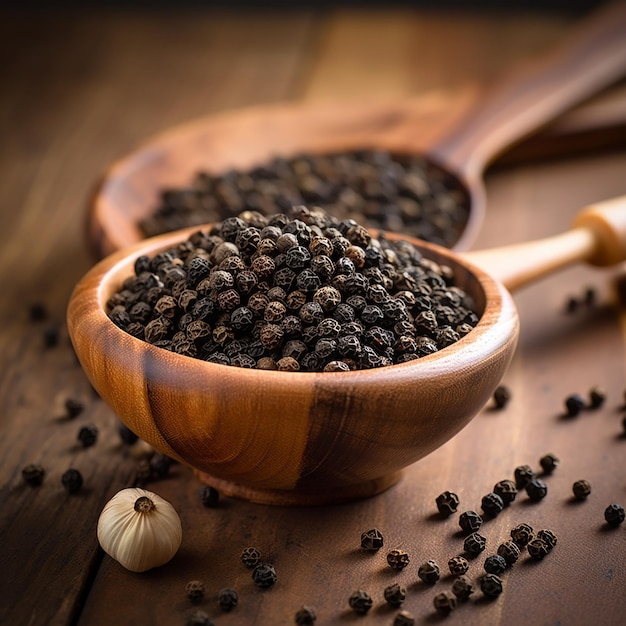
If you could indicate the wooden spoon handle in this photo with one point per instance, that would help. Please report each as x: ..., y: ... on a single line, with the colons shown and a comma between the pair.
x: 598, y: 237
x: 591, y: 58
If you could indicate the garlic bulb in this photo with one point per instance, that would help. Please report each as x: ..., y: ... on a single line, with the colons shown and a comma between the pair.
x: 139, y: 529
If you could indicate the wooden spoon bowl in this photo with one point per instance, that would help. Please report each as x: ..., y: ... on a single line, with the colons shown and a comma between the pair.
x: 462, y: 143
x: 285, y: 437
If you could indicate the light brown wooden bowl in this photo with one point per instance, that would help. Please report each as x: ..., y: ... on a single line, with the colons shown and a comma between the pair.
x: 290, y: 437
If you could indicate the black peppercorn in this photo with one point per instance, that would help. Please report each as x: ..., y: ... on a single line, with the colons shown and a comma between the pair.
x: 501, y: 397
x: 444, y: 602
x: 404, y: 618
x: 372, y: 540
x: 38, y: 312
x: 394, y: 595
x: 548, y: 463
x: 199, y: 618
x: 522, y: 534
x: 305, y: 615
x: 470, y: 521
x: 536, y: 489
x: 195, y: 590
x: 574, y: 404
x: 429, y: 572
x: 509, y: 551
x: 495, y: 564
x: 474, y: 544
x: 126, y: 434
x: 209, y: 496
x: 264, y: 575
x: 597, y: 397
x: 160, y: 466
x: 227, y: 599
x: 51, y: 333
x: 548, y: 537
x: 72, y: 480
x: 537, y: 549
x: 250, y: 557
x: 507, y: 490
x: 397, y: 559
x: 462, y: 588
x: 523, y: 474
x: 33, y: 474
x: 614, y: 514
x: 73, y: 407
x: 491, y: 585
x: 492, y: 504
x: 360, y: 602
x: 447, y: 503
x: 88, y: 435
x: 581, y: 489
x: 458, y: 565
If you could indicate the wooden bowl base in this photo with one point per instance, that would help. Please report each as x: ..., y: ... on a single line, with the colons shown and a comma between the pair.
x: 301, y: 497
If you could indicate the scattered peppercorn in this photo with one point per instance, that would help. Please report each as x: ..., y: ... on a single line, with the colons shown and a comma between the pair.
x: 458, y: 565
x: 73, y: 408
x: 88, y: 435
x: 614, y: 514
x: 571, y: 304
x: 522, y: 534
x: 536, y: 489
x: 394, y: 595
x: 397, y: 559
x: 305, y: 615
x: 199, y: 618
x: 495, y: 564
x: 72, y: 480
x: 444, y: 602
x: 447, y: 503
x: 264, y: 575
x: 597, y: 397
x: 537, y: 549
x: 574, y: 404
x: 195, y: 590
x: 429, y: 572
x: 142, y: 473
x: 509, y: 551
x: 492, y: 504
x: 474, y: 544
x: 209, y: 496
x: 127, y: 435
x: 404, y: 618
x: 581, y: 489
x: 160, y: 466
x: 548, y: 463
x: 250, y: 557
x: 462, y: 588
x: 523, y: 474
x: 470, y: 521
x: 501, y: 397
x: 372, y: 540
x: 548, y: 537
x: 360, y: 602
x: 491, y: 585
x: 227, y: 599
x: 38, y: 312
x: 51, y: 336
x: 624, y: 424
x: 33, y: 474
x: 507, y: 490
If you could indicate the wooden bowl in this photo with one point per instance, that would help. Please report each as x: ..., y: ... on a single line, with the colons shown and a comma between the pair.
x: 291, y: 437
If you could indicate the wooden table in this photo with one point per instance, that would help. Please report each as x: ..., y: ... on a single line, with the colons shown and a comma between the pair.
x: 82, y: 88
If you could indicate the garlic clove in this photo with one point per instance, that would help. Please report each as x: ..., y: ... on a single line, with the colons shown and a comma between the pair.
x: 139, y: 529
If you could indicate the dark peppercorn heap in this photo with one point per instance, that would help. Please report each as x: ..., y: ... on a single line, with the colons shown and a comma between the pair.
x: 391, y: 192
x: 300, y: 293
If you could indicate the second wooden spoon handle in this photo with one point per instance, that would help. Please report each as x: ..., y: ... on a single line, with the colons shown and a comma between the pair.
x: 598, y: 236
x: 592, y: 57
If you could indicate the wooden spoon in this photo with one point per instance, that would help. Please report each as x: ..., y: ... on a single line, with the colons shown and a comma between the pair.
x: 592, y: 57
x: 311, y: 438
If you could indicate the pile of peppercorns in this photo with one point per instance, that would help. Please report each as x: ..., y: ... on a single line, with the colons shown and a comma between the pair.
x: 304, y: 292
x: 398, y: 193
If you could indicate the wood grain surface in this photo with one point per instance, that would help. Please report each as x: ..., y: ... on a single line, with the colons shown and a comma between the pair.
x: 81, y: 89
